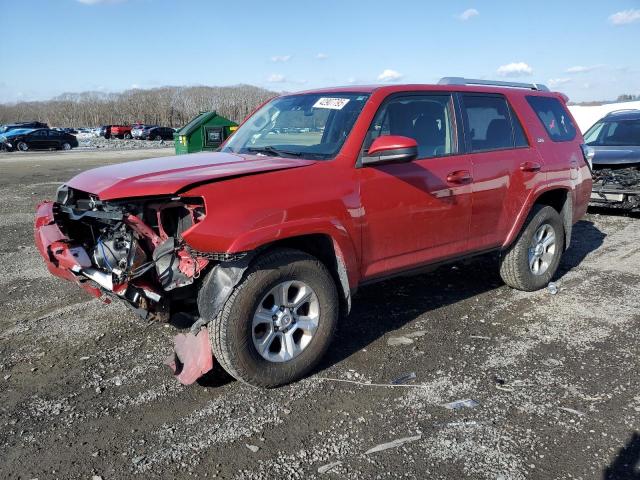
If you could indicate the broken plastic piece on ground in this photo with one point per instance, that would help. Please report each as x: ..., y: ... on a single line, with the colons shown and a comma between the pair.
x: 404, y: 378
x: 571, y: 410
x: 392, y: 444
x: 328, y: 467
x: 192, y: 356
x: 406, y: 339
x: 466, y: 403
x: 480, y: 337
x: 553, y: 288
x: 463, y: 423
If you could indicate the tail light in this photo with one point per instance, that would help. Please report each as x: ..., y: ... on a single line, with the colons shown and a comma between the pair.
x: 588, y: 153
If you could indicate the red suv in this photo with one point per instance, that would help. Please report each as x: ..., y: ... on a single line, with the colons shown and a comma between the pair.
x: 265, y: 241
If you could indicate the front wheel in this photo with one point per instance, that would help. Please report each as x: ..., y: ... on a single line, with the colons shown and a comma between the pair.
x: 157, y: 138
x: 127, y: 136
x: 278, y: 322
x: 532, y: 260
x: 22, y: 146
x: 66, y: 146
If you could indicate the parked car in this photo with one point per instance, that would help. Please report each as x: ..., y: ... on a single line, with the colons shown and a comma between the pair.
x: 137, y: 131
x: 265, y: 241
x: 158, y: 133
x: 121, y: 131
x: 615, y: 146
x: 105, y: 131
x: 37, y: 139
x: 22, y: 125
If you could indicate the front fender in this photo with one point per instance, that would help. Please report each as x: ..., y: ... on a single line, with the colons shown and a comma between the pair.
x: 258, y: 237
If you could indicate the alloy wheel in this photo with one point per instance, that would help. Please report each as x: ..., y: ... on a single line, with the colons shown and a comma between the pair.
x: 285, y: 321
x: 542, y: 249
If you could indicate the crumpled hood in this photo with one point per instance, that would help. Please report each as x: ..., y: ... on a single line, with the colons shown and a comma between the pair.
x: 616, y: 155
x: 169, y: 175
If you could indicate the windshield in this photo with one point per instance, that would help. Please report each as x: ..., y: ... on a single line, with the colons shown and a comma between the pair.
x: 623, y: 133
x: 307, y: 125
x: 17, y: 131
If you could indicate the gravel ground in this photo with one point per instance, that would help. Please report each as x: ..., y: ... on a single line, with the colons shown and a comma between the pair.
x: 83, y: 390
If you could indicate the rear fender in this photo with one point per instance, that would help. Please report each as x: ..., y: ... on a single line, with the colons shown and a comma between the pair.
x: 532, y: 200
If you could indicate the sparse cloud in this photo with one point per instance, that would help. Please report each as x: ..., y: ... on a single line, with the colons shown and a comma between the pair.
x: 556, y: 82
x: 280, y: 58
x: 468, y: 14
x: 515, y: 69
x: 276, y: 78
x: 352, y: 80
x: 389, y: 75
x: 583, y: 69
x: 625, y: 17
x: 322, y: 56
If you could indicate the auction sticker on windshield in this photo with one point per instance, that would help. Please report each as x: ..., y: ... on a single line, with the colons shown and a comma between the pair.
x: 331, y: 103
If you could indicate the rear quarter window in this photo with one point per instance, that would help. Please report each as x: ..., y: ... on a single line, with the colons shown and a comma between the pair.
x: 554, y: 117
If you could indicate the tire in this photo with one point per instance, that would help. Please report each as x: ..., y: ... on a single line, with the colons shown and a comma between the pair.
x: 233, y: 331
x: 66, y: 146
x: 22, y: 146
x: 518, y: 263
x: 157, y: 138
x: 127, y: 136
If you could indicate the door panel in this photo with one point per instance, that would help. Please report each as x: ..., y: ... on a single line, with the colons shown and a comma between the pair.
x: 416, y: 212
x: 504, y: 167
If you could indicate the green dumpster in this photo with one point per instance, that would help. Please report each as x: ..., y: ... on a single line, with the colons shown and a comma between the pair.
x: 205, y: 132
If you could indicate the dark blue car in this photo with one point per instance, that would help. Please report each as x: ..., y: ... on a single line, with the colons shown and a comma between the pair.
x: 37, y: 139
x: 615, y: 140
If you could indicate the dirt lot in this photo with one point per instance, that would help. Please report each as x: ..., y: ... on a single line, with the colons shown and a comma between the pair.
x: 83, y: 390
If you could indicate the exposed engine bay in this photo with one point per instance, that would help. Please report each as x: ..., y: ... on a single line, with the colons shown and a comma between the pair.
x: 617, y: 186
x: 135, y: 248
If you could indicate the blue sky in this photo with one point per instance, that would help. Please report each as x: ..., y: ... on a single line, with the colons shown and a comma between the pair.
x: 587, y: 49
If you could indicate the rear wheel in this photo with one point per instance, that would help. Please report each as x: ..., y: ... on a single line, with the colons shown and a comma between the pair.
x: 157, y: 138
x: 66, y: 146
x: 278, y: 322
x: 127, y: 136
x: 22, y: 146
x: 532, y: 260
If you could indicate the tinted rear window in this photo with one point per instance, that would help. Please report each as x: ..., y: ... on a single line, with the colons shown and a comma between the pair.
x: 554, y: 117
x: 491, y: 123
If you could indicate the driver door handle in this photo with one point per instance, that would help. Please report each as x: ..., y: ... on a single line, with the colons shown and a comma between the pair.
x: 530, y: 166
x: 459, y: 177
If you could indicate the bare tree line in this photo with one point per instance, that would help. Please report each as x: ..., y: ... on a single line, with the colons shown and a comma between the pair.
x: 167, y: 106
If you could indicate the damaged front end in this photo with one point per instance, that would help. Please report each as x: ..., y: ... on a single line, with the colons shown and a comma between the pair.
x: 617, y: 186
x: 133, y: 250
x: 129, y: 249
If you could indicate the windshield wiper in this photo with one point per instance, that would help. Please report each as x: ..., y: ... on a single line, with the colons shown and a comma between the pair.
x: 274, y: 152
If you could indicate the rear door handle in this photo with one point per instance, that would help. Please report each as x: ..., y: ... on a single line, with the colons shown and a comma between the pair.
x: 530, y: 167
x: 459, y: 177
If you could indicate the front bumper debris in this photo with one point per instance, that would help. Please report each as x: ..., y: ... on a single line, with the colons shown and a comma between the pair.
x: 617, y: 188
x: 192, y: 356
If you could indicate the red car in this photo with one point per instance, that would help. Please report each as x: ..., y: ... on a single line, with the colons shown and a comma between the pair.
x: 121, y: 131
x: 265, y: 242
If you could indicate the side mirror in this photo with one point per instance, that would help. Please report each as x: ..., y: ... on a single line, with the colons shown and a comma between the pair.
x: 391, y: 149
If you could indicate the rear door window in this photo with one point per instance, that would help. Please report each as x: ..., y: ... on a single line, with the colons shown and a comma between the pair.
x: 491, y: 124
x: 554, y: 117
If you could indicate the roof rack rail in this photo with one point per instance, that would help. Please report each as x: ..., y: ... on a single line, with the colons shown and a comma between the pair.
x: 491, y: 83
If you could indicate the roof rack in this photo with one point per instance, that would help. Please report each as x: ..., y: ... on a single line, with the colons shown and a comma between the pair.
x: 491, y: 83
